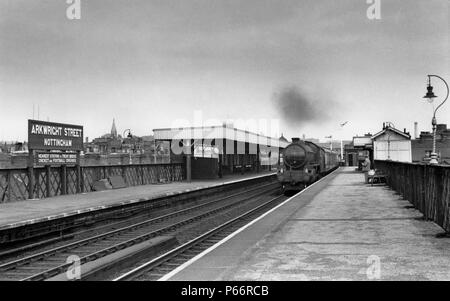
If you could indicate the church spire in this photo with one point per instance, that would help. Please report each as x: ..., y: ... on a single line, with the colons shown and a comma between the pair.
x: 113, y: 129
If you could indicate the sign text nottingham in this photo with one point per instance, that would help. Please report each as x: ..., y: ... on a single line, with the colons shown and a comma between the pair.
x: 44, y: 135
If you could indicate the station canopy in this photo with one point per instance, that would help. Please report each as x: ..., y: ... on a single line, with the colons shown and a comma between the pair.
x: 217, y: 133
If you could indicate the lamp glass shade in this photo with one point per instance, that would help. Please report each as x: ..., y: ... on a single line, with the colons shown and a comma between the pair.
x: 430, y: 93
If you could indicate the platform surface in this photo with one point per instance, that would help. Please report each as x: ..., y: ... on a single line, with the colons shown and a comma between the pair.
x: 338, y: 229
x: 15, y: 214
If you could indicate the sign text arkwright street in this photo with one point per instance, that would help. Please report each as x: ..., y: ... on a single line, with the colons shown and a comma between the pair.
x: 44, y: 135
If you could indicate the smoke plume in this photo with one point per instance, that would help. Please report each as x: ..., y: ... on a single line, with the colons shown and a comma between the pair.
x: 298, y: 108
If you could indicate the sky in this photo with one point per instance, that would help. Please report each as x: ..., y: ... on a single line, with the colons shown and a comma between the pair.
x: 272, y: 66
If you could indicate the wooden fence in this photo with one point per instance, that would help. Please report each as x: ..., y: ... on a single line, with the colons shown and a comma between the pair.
x: 427, y: 187
x: 52, y: 181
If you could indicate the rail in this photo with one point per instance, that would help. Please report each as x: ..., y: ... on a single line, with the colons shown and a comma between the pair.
x: 427, y: 187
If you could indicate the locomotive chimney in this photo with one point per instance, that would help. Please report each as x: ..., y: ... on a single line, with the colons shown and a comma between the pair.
x: 295, y: 139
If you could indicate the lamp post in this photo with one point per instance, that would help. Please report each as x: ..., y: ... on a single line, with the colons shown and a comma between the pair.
x: 129, y: 136
x: 430, y: 95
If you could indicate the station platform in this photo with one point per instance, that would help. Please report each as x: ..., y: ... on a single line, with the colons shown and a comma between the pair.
x: 337, y: 229
x: 16, y: 214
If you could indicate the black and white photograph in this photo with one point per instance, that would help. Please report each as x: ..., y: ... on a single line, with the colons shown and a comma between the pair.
x: 224, y: 148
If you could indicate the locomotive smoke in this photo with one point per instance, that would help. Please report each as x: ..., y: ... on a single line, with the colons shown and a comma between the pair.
x: 299, y: 109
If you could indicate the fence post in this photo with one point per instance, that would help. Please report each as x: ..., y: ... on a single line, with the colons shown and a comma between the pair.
x: 78, y: 184
x: 188, y: 168
x: 98, y: 173
x: 258, y: 158
x: 63, y: 179
x: 30, y: 174
x: 81, y: 179
x: 123, y: 171
x: 37, y: 181
x: 47, y: 180
x: 9, y: 174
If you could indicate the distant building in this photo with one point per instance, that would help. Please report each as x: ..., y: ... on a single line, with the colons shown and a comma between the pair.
x: 423, y: 146
x: 106, y: 144
x: 114, y: 143
x: 392, y: 144
x: 313, y: 140
x: 356, y: 151
x: 13, y: 147
x: 334, y: 145
x: 132, y: 144
x: 283, y: 139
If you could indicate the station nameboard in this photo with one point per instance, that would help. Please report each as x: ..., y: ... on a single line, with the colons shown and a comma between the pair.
x: 49, y: 158
x: 43, y: 135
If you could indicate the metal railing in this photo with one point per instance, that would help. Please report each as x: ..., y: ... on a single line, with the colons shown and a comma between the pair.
x: 427, y: 187
x: 53, y: 181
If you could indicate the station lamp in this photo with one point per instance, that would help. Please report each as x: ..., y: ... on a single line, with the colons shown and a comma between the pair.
x: 430, y: 96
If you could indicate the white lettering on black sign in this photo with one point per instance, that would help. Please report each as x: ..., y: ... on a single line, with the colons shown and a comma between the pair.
x: 56, y: 158
x: 54, y: 136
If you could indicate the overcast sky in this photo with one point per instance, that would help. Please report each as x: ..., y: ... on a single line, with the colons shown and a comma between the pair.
x: 149, y: 63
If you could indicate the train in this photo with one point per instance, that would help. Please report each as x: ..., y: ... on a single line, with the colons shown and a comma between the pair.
x: 302, y: 163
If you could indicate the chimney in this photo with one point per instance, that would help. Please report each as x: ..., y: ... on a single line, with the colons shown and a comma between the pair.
x: 295, y: 140
x: 304, y: 137
x: 416, y: 130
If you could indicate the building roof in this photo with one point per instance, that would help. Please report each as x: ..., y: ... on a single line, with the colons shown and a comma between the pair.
x: 282, y: 138
x: 217, y: 132
x: 392, y: 129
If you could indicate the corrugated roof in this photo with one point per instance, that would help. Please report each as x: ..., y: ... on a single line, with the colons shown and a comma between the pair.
x: 216, y: 132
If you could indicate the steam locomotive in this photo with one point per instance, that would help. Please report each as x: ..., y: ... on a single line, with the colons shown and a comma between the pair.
x: 302, y: 162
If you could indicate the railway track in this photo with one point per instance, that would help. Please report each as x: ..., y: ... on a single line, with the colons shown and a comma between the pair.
x: 45, y: 264
x: 159, y: 267
x: 61, y: 224
x: 159, y: 208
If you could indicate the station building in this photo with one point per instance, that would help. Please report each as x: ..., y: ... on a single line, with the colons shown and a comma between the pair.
x: 213, y: 151
x: 356, y: 151
x: 388, y: 144
x: 392, y: 144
